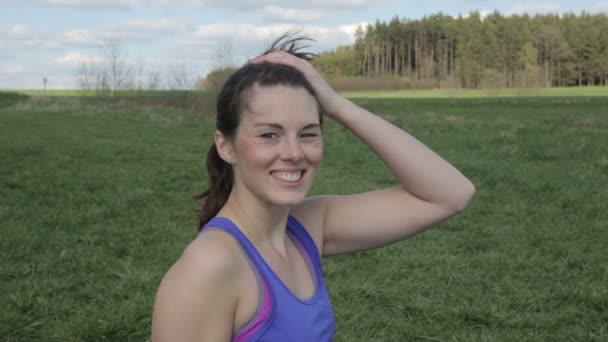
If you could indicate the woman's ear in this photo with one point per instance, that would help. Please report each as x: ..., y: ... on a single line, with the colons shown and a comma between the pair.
x: 224, y: 147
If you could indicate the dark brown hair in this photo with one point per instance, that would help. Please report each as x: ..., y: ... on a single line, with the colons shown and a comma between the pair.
x: 230, y: 103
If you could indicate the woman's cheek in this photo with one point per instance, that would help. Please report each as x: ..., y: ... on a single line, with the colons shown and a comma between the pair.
x: 315, y: 152
x: 256, y: 152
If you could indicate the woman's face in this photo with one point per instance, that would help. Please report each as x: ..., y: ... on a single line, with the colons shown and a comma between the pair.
x: 278, y: 145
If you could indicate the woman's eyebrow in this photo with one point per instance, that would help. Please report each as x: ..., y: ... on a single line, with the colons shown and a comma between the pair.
x: 312, y: 125
x: 275, y: 125
x: 279, y: 126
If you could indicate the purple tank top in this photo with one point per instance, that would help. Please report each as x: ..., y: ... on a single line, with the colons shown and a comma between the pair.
x: 281, y: 316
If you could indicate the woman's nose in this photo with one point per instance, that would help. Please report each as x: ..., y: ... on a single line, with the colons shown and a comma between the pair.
x: 292, y: 149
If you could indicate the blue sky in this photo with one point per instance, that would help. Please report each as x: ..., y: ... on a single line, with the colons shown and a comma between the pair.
x: 51, y: 38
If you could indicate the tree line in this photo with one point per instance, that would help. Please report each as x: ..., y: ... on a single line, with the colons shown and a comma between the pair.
x: 112, y: 71
x: 478, y: 51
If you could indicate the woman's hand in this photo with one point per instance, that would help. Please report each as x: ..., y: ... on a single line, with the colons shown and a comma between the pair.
x: 431, y: 189
x: 330, y: 101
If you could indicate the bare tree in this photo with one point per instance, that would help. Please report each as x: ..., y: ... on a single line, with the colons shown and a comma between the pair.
x: 179, y: 75
x: 224, y: 56
x: 115, y: 63
x: 223, y: 65
x: 85, y: 77
x: 153, y: 80
x: 110, y: 73
x: 146, y: 76
x: 102, y: 79
x: 139, y: 75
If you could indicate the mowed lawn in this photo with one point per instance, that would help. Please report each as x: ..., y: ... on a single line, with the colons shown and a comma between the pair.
x: 96, y: 205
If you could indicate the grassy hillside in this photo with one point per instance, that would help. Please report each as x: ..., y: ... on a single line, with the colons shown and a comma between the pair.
x: 96, y: 206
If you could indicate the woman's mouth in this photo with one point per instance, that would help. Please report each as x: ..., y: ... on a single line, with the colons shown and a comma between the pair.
x: 288, y: 176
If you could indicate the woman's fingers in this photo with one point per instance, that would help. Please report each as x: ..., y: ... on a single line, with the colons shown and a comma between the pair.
x: 327, y: 97
x: 282, y: 57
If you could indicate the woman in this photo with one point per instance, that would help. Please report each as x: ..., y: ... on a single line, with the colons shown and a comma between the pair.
x: 254, y: 272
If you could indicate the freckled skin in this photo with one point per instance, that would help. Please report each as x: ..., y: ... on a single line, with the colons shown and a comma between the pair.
x: 259, y: 148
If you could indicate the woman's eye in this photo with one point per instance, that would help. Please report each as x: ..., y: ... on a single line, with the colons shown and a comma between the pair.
x: 269, y: 135
x: 309, y: 135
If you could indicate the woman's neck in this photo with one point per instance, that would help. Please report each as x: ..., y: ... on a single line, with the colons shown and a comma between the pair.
x: 261, y: 222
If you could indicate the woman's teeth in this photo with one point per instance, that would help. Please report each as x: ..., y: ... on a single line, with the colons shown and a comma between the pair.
x: 287, y: 176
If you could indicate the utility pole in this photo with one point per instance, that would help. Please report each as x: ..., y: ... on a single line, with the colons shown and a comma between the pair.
x: 45, y: 81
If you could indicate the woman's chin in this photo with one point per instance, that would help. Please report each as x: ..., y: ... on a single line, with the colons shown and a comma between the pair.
x: 289, y: 199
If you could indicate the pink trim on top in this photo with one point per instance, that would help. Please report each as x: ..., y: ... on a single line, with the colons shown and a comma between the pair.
x: 260, y: 318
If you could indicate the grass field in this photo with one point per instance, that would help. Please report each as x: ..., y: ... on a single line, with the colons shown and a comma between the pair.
x: 406, y: 93
x: 88, y: 93
x: 96, y: 206
x: 481, y: 93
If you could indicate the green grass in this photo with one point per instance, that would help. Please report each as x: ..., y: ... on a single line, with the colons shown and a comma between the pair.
x: 8, y: 99
x: 480, y: 93
x: 406, y: 93
x: 72, y: 92
x: 96, y: 206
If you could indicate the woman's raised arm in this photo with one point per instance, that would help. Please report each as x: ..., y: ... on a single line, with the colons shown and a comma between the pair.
x: 431, y: 189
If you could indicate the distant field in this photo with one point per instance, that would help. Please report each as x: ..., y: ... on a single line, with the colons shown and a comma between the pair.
x: 477, y: 93
x: 424, y: 93
x: 96, y: 206
x: 94, y: 93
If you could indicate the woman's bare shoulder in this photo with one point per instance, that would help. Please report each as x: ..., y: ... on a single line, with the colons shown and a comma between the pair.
x: 214, y: 245
x: 212, y: 256
x: 202, y: 286
x: 311, y: 214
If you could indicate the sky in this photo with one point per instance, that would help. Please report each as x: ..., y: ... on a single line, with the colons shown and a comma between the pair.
x: 52, y: 38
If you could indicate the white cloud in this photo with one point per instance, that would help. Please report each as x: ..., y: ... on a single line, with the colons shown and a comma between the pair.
x: 292, y: 14
x: 17, y: 37
x: 536, y: 8
x: 6, y: 51
x: 81, y: 37
x: 241, y: 31
x: 328, y: 38
x: 261, y: 33
x: 347, y: 4
x: 292, y: 4
x: 162, y: 25
x: 351, y: 29
x: 482, y: 14
x: 128, y: 30
x: 246, y: 41
x: 600, y: 7
x: 21, y: 33
x: 92, y: 4
x: 253, y: 39
x: 228, y: 4
x: 13, y: 69
x: 76, y: 58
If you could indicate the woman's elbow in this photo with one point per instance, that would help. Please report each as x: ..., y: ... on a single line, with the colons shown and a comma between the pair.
x: 465, y: 196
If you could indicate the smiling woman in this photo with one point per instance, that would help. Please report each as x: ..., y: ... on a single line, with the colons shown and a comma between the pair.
x: 268, y: 142
x: 254, y: 272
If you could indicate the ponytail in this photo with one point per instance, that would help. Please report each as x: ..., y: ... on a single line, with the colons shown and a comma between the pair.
x: 220, y: 177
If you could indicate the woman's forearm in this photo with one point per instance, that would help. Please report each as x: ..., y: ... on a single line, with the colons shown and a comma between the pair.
x: 421, y: 171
